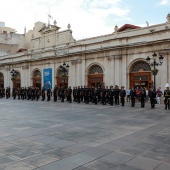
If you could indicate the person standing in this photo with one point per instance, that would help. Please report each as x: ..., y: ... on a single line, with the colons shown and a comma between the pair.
x: 48, y: 94
x: 152, y: 96
x: 117, y: 92
x: 43, y: 93
x: 167, y: 97
x: 122, y: 95
x: 128, y: 95
x: 69, y: 94
x: 132, y: 96
x: 55, y: 94
x: 159, y: 95
x: 14, y: 93
x: 142, y: 96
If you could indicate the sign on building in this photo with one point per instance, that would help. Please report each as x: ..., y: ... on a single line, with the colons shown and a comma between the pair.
x: 47, y: 75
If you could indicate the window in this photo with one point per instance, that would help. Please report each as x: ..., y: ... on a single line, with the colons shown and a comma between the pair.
x: 96, y: 70
x: 141, y: 66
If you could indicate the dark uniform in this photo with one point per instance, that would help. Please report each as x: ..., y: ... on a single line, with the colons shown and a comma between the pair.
x: 55, y: 94
x: 117, y: 91
x: 14, y: 93
x: 111, y: 96
x: 62, y: 94
x: 95, y: 96
x: 69, y: 94
x: 48, y: 94
x: 132, y: 97
x: 103, y: 95
x: 78, y: 94
x: 167, y: 98
x: 122, y: 96
x: 43, y: 94
x: 142, y: 97
x: 152, y: 96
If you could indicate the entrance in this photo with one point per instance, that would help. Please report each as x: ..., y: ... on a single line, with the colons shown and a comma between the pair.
x: 37, y: 79
x: 1, y: 80
x: 17, y: 80
x: 140, y: 75
x: 95, y: 76
x: 62, y: 79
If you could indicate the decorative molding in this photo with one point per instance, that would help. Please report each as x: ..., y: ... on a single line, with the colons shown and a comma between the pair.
x: 25, y: 67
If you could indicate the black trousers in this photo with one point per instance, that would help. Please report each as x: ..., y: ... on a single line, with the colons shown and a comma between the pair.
x: 55, y: 98
x: 132, y: 101
x: 122, y: 101
x: 117, y: 100
x: 142, y: 102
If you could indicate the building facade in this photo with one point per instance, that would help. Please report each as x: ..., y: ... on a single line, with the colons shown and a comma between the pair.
x: 115, y: 59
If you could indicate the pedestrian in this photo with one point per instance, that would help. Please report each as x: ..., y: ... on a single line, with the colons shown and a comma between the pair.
x: 159, y: 95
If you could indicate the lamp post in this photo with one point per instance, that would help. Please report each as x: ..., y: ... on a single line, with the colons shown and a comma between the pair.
x: 64, y: 69
x: 154, y: 64
x: 13, y: 74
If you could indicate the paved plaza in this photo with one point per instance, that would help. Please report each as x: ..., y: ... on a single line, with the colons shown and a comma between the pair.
x: 36, y: 135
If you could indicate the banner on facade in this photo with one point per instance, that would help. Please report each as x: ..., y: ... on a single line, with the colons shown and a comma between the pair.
x: 47, y: 74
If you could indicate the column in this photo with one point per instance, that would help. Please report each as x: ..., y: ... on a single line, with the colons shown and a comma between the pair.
x: 117, y: 71
x: 83, y: 72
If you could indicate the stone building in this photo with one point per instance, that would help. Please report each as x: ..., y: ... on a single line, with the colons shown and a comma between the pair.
x: 118, y: 58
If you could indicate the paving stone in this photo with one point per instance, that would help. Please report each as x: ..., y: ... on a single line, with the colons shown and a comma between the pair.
x: 155, y: 156
x: 163, y: 166
x: 18, y: 166
x: 117, y: 157
x: 59, y: 153
x: 96, y: 152
x: 40, y: 160
x: 59, y: 165
x: 79, y: 159
x: 143, y: 163
x: 101, y: 165
x: 4, y: 160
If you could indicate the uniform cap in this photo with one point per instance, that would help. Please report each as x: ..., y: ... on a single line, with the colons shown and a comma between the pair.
x: 167, y: 85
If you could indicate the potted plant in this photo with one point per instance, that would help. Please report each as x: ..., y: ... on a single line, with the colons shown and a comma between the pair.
x: 155, y: 71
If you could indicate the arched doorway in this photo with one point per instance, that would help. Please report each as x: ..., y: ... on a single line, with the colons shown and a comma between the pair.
x: 17, y: 80
x: 95, y: 76
x: 62, y: 78
x: 37, y: 79
x: 1, y: 80
x: 140, y: 75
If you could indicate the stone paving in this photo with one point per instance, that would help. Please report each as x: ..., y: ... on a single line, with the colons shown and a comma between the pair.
x: 63, y: 136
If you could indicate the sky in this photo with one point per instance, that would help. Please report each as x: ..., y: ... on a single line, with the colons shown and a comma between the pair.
x: 88, y: 18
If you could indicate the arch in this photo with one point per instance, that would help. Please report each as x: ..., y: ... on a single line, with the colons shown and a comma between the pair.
x: 140, y: 74
x: 93, y: 64
x: 140, y: 66
x: 17, y: 80
x: 95, y: 75
x: 1, y: 80
x: 62, y: 78
x: 37, y: 77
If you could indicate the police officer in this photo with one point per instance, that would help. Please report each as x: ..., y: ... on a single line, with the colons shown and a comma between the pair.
x: 152, y: 96
x: 122, y: 95
x: 69, y: 94
x: 167, y: 97
x: 111, y: 95
x: 95, y: 96
x: 62, y: 94
x: 55, y: 93
x: 142, y: 96
x: 117, y: 91
x: 43, y: 93
x: 103, y: 95
x: 48, y: 94
x: 78, y: 94
x: 13, y: 93
x: 7, y: 93
x: 132, y: 96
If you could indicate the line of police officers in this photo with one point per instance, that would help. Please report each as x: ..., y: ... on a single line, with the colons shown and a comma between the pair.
x: 103, y: 95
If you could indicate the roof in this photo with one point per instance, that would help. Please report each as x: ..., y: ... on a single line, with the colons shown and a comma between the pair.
x: 127, y: 26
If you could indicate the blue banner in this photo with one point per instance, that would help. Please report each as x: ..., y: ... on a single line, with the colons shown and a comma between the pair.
x: 47, y: 74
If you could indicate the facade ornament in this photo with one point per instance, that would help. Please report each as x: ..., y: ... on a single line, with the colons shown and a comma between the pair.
x: 116, y: 28
x: 168, y: 18
x: 68, y: 26
x: 55, y: 22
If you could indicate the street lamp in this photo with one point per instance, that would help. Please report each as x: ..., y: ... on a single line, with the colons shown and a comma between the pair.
x: 13, y: 73
x: 64, y: 69
x: 154, y: 64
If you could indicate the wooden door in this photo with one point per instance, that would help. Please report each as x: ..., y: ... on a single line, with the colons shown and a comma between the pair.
x: 141, y: 79
x: 62, y: 81
x: 95, y: 80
